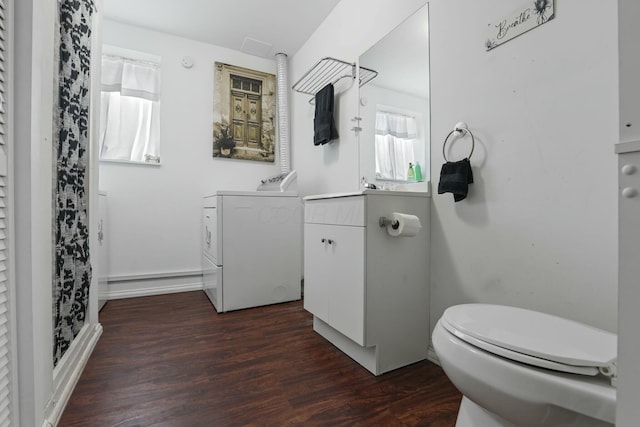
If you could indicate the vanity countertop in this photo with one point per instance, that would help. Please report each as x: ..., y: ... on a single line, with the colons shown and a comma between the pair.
x: 253, y: 193
x: 371, y: 192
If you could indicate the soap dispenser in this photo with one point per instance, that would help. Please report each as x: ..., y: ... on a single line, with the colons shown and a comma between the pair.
x: 411, y: 175
x: 418, y: 172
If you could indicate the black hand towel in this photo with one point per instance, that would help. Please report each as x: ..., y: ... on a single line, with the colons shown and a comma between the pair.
x: 324, y: 127
x: 455, y: 178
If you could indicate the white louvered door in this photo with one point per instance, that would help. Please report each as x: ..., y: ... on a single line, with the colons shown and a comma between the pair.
x: 7, y: 315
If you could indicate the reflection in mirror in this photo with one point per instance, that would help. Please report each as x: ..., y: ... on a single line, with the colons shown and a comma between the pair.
x: 129, y: 106
x: 394, y: 107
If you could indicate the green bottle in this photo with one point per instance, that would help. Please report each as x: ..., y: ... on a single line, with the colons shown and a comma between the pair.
x: 411, y: 176
x: 418, y: 172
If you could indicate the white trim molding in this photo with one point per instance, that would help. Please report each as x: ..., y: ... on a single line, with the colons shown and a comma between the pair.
x: 68, y: 371
x: 140, y: 285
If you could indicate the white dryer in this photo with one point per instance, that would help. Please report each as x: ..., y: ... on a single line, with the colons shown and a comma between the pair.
x: 252, y: 247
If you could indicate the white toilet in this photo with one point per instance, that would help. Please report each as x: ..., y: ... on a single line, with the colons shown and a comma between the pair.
x: 521, y: 368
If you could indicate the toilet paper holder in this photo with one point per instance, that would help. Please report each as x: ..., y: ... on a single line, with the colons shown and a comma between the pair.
x: 384, y: 221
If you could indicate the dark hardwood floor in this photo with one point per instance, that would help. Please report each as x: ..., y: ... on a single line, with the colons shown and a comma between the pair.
x: 171, y: 360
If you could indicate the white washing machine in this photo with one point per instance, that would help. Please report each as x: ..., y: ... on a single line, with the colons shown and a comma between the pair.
x: 252, y: 244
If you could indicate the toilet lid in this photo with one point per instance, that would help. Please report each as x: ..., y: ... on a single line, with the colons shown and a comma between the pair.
x: 532, y: 337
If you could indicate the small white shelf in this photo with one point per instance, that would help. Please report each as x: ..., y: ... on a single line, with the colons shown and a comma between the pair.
x: 627, y: 147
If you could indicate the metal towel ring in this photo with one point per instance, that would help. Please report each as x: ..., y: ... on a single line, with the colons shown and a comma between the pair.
x: 460, y: 127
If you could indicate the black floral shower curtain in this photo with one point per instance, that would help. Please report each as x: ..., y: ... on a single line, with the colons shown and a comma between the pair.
x: 72, y: 267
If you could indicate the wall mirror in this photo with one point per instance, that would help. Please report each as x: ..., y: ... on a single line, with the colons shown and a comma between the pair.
x: 394, y: 107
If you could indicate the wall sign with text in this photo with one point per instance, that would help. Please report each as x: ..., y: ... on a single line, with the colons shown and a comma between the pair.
x: 530, y: 15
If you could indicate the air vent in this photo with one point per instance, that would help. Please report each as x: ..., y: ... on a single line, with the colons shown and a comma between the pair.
x: 256, y: 47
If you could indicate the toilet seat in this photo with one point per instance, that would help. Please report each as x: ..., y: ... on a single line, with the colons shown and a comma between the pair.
x: 534, y: 338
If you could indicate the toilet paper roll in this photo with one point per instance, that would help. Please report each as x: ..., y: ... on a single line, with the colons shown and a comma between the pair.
x: 403, y: 225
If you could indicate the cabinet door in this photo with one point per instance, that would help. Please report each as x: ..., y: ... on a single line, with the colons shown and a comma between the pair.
x: 209, y: 232
x: 334, y: 277
x: 628, y: 289
x: 316, y: 288
x: 103, y: 253
x: 212, y: 283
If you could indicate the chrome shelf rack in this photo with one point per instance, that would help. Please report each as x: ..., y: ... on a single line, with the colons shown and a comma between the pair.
x: 334, y: 71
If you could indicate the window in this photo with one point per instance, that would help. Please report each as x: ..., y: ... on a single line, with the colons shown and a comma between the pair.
x: 396, y: 135
x: 130, y: 108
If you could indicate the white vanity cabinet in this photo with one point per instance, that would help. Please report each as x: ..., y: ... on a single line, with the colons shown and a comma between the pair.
x: 628, y: 279
x: 628, y: 150
x: 368, y: 291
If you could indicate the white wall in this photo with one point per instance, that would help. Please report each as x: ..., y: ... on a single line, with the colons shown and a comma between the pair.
x: 539, y: 228
x: 154, y: 212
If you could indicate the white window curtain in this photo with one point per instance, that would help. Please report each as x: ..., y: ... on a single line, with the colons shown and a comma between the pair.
x: 130, y: 110
x: 395, y: 138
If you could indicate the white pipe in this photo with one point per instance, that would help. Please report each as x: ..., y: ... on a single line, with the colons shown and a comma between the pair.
x: 282, y: 104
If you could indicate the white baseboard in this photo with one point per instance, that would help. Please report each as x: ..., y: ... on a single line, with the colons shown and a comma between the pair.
x: 151, y: 284
x: 68, y: 371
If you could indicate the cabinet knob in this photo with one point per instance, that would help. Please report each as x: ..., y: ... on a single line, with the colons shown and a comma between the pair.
x: 629, y: 192
x: 629, y: 169
x: 323, y: 240
x: 330, y: 241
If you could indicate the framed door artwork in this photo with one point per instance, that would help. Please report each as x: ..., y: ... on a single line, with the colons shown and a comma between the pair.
x: 244, y: 113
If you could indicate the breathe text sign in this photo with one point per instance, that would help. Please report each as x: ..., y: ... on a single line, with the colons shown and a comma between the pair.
x: 529, y: 16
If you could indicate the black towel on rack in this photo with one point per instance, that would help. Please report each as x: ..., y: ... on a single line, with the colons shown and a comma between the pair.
x: 324, y: 127
x: 455, y: 178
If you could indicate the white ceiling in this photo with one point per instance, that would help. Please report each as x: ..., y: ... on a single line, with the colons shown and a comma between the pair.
x: 272, y: 26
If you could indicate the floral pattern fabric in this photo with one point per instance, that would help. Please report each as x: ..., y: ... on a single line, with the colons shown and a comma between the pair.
x: 72, y: 267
